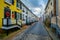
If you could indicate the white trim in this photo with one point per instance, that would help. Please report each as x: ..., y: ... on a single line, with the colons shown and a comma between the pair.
x: 10, y: 27
x: 18, y: 8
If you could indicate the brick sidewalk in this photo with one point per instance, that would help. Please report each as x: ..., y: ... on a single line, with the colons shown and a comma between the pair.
x: 9, y: 37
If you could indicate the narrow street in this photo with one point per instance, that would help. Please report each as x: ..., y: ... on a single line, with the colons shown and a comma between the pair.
x: 36, y: 32
x: 30, y: 20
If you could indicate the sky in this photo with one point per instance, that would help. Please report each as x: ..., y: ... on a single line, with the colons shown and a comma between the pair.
x: 36, y: 6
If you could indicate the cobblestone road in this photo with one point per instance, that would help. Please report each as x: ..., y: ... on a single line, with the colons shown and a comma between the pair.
x: 35, y: 32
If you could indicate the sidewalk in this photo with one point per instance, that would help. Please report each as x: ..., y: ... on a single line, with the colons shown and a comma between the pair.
x: 10, y: 36
x: 53, y: 35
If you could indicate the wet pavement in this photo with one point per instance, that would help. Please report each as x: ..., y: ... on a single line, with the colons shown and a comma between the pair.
x: 35, y: 32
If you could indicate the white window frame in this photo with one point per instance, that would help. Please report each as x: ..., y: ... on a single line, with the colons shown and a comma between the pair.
x: 18, y: 5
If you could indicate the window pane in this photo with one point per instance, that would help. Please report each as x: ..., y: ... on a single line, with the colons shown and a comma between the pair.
x: 7, y: 1
x: 10, y: 1
x: 18, y: 4
x: 18, y: 16
x: 21, y: 16
x: 15, y: 15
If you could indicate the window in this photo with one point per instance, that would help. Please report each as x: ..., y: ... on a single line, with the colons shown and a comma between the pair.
x: 27, y: 12
x: 48, y: 7
x: 13, y: 15
x: 21, y: 16
x: 7, y: 12
x: 19, y: 4
x: 51, y: 3
x: 18, y: 15
x: 51, y: 14
x: 23, y: 9
x: 9, y: 1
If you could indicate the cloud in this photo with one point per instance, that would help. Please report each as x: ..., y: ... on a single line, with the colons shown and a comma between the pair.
x: 36, y: 6
x: 39, y: 10
x: 42, y: 4
x: 36, y: 11
x: 34, y: 2
x: 27, y: 3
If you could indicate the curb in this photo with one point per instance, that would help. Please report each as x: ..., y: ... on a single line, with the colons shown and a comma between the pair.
x: 48, y: 32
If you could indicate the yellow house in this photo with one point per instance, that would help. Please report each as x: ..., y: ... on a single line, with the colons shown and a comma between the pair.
x: 10, y: 14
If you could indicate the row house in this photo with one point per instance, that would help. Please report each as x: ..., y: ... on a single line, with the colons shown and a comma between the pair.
x: 14, y: 14
x: 53, y: 11
x: 10, y: 14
